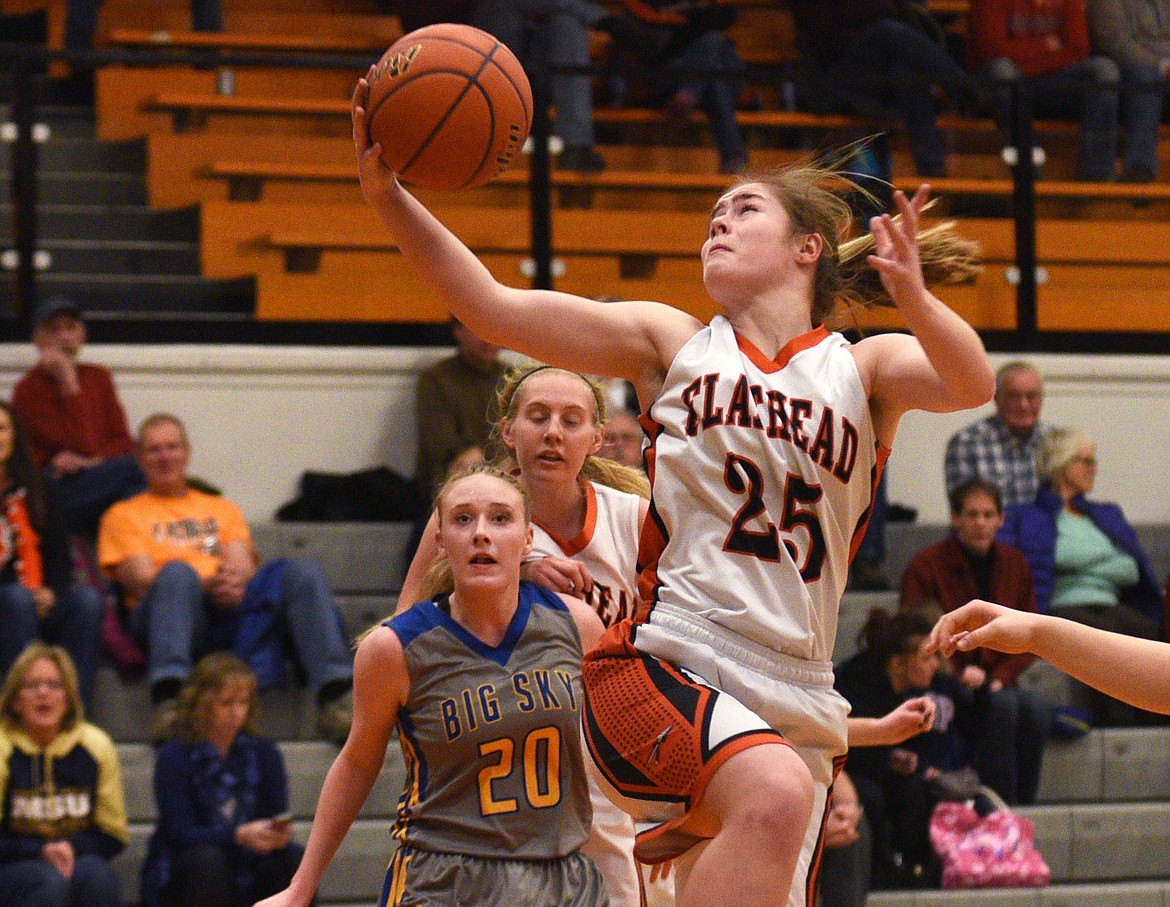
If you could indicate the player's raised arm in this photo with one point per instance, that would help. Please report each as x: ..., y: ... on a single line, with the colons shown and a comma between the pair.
x: 1125, y: 667
x: 943, y: 367
x: 623, y: 339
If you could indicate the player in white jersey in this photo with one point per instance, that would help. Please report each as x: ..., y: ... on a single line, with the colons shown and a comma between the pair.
x: 737, y: 782
x: 482, y: 684
x: 585, y: 541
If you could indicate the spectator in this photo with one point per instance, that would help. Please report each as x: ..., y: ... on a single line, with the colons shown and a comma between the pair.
x: 1042, y: 48
x: 1087, y: 564
x: 1135, y: 34
x: 700, y: 67
x: 74, y: 423
x: 38, y: 597
x: 972, y: 564
x: 1002, y: 448
x: 224, y: 833
x: 453, y: 403
x: 894, y: 782
x: 52, y: 856
x: 555, y: 33
x: 622, y: 441
x: 874, y: 54
x: 186, y: 566
x: 81, y: 18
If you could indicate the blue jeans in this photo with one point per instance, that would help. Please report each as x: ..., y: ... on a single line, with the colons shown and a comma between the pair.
x: 74, y: 622
x: 712, y: 50
x: 1141, y: 113
x: 35, y: 883
x: 893, y: 59
x: 1088, y: 89
x: 175, y: 622
x: 550, y: 33
x: 1009, y: 757
x: 86, y: 494
x: 81, y: 20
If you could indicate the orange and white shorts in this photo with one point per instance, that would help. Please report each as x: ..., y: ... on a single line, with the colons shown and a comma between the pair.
x: 662, y: 715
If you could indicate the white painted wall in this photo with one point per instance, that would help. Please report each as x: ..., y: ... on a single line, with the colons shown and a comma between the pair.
x: 260, y: 416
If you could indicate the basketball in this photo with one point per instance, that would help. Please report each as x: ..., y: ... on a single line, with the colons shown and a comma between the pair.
x: 450, y: 106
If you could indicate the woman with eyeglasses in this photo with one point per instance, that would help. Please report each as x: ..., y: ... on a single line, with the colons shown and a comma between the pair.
x: 1087, y: 563
x: 64, y: 816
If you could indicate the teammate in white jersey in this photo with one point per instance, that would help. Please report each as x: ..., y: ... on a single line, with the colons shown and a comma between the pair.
x: 495, y: 807
x: 724, y: 737
x: 585, y: 541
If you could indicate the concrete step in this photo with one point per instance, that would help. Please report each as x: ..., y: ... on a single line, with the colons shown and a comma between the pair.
x: 1109, y: 894
x: 73, y: 188
x: 188, y: 294
x: 306, y: 761
x: 86, y: 154
x: 357, y: 557
x: 95, y: 256
x: 79, y: 222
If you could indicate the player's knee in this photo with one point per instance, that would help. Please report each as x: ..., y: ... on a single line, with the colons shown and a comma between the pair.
x: 782, y: 803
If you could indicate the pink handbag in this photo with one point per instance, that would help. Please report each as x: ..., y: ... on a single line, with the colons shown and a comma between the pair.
x: 993, y: 851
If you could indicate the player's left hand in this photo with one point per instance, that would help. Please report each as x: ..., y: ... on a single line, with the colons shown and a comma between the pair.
x: 896, y: 257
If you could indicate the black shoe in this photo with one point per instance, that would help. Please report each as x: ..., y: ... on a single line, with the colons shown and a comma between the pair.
x: 1139, y: 174
x: 581, y: 158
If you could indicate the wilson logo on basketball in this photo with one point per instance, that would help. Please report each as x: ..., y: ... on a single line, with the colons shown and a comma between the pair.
x: 516, y: 136
x: 397, y: 64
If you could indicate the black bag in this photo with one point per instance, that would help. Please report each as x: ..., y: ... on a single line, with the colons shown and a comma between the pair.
x: 376, y: 495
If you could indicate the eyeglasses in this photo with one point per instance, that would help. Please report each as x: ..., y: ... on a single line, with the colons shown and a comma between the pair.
x: 1088, y: 461
x: 34, y: 685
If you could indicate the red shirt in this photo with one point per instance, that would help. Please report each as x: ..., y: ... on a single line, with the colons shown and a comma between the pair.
x: 90, y: 422
x: 941, y: 574
x: 1021, y: 30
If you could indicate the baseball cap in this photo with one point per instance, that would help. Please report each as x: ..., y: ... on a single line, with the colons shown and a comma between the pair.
x: 54, y: 305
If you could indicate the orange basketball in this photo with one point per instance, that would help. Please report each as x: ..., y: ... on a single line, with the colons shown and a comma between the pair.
x: 450, y: 106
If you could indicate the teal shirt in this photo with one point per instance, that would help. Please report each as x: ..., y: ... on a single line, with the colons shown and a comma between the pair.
x: 1089, y: 569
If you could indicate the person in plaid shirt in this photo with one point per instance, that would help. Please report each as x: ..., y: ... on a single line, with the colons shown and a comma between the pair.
x: 1002, y: 448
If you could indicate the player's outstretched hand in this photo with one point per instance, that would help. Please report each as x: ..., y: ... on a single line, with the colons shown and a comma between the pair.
x: 376, y: 178
x: 980, y: 624
x: 896, y: 247
x: 911, y: 718
x: 558, y: 574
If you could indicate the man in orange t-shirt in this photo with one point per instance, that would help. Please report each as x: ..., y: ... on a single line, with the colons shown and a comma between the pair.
x: 189, y: 574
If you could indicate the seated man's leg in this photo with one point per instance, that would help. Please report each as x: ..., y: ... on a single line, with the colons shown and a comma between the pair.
x: 1092, y: 88
x: 169, y: 622
x: 1141, y: 110
x: 18, y: 620
x: 316, y: 629
x: 562, y: 40
x: 75, y: 623
x: 88, y: 493
x: 1035, y: 725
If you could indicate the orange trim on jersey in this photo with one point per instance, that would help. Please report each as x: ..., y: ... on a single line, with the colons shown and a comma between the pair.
x: 883, y: 454
x: 796, y: 345
x: 652, y: 539
x: 577, y: 544
x: 814, y: 866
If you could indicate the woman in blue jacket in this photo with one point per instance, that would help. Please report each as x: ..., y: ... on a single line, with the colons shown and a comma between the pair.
x: 223, y: 838
x: 1087, y: 564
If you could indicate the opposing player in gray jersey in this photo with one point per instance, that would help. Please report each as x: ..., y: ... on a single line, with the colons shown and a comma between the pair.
x: 484, y: 686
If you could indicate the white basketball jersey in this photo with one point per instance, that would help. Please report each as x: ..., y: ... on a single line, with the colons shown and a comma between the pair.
x: 763, y: 474
x: 607, y: 546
